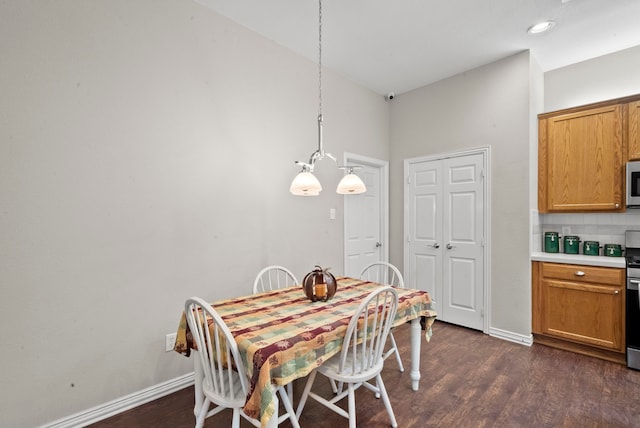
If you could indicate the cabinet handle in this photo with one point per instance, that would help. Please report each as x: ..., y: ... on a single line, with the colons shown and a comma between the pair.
x: 616, y: 292
x: 617, y: 205
x: 579, y: 273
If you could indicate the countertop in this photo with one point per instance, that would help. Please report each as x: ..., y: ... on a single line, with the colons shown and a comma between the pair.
x: 579, y: 259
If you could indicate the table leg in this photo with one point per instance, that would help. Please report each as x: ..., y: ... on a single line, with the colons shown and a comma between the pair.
x: 416, y: 333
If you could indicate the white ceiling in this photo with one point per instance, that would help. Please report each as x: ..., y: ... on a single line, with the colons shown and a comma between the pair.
x: 400, y: 45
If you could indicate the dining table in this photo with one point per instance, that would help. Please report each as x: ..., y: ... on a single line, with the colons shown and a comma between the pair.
x: 282, y: 336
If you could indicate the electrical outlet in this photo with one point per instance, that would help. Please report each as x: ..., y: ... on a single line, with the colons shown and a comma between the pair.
x: 170, y: 342
x: 566, y: 230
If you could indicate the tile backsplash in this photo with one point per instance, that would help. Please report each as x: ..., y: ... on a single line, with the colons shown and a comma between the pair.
x: 604, y: 228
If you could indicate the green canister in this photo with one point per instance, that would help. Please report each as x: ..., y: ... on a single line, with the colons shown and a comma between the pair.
x: 551, y: 244
x: 591, y: 248
x: 571, y: 244
x: 613, y: 250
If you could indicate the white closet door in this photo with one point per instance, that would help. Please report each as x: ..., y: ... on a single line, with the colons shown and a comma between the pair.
x: 424, y: 209
x: 463, y: 288
x: 444, y: 223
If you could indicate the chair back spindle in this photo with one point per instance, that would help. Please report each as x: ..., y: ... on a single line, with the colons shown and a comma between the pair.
x: 367, y: 332
x: 273, y: 278
x: 383, y: 273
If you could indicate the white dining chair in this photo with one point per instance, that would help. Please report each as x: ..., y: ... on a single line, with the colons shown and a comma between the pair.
x: 388, y: 274
x: 360, y: 359
x: 274, y: 277
x: 225, y: 383
x: 271, y: 278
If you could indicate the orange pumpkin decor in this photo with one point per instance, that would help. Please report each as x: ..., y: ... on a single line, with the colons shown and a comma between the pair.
x: 319, y: 284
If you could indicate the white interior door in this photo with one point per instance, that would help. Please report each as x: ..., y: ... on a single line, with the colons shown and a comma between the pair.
x: 423, y: 221
x: 365, y: 217
x: 463, y: 215
x: 445, y: 228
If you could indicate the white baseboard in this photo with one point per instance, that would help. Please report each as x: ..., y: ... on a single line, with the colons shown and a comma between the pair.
x: 122, y: 404
x: 511, y: 337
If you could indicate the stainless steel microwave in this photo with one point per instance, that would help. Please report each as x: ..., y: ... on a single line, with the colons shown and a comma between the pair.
x: 633, y: 184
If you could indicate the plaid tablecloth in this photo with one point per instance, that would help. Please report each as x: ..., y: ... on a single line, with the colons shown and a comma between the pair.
x: 282, y: 335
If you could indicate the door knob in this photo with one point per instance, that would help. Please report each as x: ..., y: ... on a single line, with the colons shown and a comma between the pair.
x: 436, y: 245
x: 449, y: 246
x: 378, y: 245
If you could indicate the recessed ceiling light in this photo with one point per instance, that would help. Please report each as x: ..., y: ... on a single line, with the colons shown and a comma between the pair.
x: 541, y: 27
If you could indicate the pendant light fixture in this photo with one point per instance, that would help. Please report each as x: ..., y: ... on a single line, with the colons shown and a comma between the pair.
x: 351, y: 184
x: 305, y: 183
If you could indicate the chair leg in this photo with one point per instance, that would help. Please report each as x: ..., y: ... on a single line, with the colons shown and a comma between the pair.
x: 202, y: 413
x: 235, y: 423
x: 284, y: 396
x: 305, y: 393
x: 385, y: 400
x: 336, y: 387
x: 290, y: 391
x: 395, y: 351
x: 352, y: 405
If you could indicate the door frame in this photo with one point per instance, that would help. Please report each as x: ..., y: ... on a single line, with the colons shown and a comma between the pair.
x: 486, y: 152
x: 383, y: 167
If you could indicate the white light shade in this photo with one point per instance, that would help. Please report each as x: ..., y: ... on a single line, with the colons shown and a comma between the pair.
x: 351, y: 184
x: 305, y: 184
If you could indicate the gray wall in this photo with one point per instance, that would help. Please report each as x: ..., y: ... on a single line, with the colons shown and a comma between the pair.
x: 146, y: 152
x: 487, y: 106
x: 610, y: 76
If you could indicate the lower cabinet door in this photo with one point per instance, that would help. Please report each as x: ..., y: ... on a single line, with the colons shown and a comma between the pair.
x: 582, y: 312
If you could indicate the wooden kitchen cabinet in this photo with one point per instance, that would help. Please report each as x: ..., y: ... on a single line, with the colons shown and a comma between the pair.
x: 581, y: 159
x: 633, y: 111
x: 580, y: 308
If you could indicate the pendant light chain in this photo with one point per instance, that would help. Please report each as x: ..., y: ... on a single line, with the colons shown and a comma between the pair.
x: 320, y: 58
x: 305, y: 183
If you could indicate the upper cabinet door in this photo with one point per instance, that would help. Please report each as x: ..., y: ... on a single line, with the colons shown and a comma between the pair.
x: 634, y: 130
x: 581, y: 161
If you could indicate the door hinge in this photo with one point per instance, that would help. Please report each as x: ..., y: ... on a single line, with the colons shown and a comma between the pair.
x: 408, y: 238
x: 482, y: 174
x: 481, y: 313
x: 482, y: 242
x: 409, y: 179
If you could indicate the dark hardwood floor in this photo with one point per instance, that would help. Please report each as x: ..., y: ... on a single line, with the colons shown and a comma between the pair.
x: 468, y: 380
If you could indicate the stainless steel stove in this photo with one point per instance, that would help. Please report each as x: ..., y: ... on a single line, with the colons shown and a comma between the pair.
x: 632, y: 241
x: 633, y: 262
